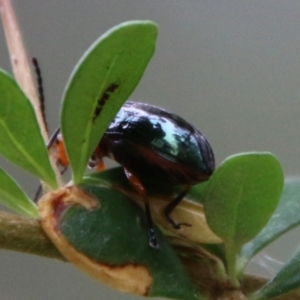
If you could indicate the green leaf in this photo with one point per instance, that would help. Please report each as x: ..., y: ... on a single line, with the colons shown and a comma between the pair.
x: 240, y: 198
x: 287, y: 279
x: 285, y: 218
x: 159, y: 196
x: 197, y: 192
x: 242, y: 194
x: 13, y: 197
x: 115, y: 177
x: 113, y: 234
x: 102, y: 81
x: 21, y: 141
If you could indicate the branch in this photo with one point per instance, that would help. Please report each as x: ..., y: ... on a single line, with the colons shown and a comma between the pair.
x: 19, y: 60
x: 24, y: 234
x: 21, y: 68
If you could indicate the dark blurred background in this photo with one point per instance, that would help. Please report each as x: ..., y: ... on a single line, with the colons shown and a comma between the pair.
x: 232, y: 68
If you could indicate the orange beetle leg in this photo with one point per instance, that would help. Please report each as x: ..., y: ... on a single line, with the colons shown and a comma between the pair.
x: 60, y: 152
x: 100, y: 166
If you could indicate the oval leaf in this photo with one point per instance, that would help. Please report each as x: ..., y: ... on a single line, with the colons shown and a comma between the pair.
x: 242, y: 194
x: 287, y: 279
x: 285, y: 218
x: 160, y: 195
x: 104, y: 233
x: 13, y: 197
x: 102, y: 81
x: 21, y: 141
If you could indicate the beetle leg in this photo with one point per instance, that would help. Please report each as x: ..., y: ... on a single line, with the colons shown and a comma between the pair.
x: 56, y: 144
x: 96, y: 163
x: 139, y: 188
x: 38, y: 193
x: 100, y: 166
x: 172, y: 205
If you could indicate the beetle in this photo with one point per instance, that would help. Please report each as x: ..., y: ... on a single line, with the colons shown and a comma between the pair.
x: 148, y: 142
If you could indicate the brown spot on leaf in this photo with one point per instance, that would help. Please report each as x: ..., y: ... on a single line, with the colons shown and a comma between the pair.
x: 52, y: 205
x: 130, y: 278
x: 58, y: 207
x: 104, y: 97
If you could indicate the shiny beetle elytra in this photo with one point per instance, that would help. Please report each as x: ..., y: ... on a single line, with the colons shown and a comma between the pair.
x: 151, y: 142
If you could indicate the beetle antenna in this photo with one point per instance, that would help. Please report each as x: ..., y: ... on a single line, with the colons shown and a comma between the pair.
x: 40, y: 88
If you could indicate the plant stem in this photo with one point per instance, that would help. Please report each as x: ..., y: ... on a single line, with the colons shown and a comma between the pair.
x: 231, y: 257
x: 19, y: 60
x: 21, y: 68
x: 25, y: 235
